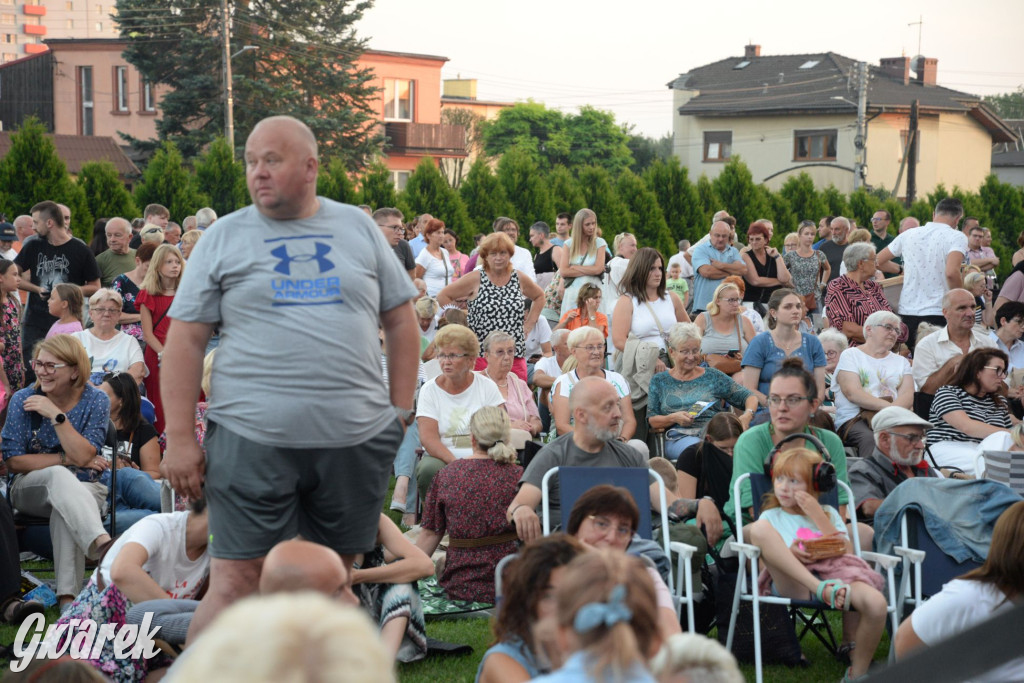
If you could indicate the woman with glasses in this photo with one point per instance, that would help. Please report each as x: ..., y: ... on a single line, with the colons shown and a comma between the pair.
x: 447, y: 402
x: 834, y: 343
x: 52, y: 445
x: 500, y: 350
x: 852, y: 297
x: 110, y: 349
x: 969, y: 408
x: 606, y: 517
x: 782, y: 341
x: 724, y: 329
x: 587, y: 349
x: 871, y: 377
x: 683, y: 400
x: 793, y: 399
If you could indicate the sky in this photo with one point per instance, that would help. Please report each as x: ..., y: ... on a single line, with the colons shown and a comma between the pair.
x: 619, y: 56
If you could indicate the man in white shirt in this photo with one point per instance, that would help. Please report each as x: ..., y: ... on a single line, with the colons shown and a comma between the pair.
x: 932, y: 256
x: 938, y: 355
x: 418, y: 243
x: 547, y: 370
x: 680, y: 258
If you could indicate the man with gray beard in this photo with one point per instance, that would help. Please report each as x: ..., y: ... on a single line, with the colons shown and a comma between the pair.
x: 898, y: 456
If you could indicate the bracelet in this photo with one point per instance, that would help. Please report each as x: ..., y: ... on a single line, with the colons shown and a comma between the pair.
x: 512, y: 514
x: 63, y: 459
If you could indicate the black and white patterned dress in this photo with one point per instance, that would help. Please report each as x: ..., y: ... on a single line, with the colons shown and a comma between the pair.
x: 499, y: 308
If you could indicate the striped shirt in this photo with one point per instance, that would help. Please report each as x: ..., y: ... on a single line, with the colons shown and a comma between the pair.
x: 983, y: 409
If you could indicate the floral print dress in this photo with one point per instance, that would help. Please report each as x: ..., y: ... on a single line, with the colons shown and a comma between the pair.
x: 10, y: 334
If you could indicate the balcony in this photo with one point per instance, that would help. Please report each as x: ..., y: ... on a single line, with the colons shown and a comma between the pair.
x: 425, y: 139
x: 34, y: 10
x: 35, y: 30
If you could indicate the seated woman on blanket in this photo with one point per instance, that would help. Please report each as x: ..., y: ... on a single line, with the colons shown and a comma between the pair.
x: 383, y: 580
x: 521, y: 650
x: 160, y: 556
x: 468, y: 500
x: 788, y: 514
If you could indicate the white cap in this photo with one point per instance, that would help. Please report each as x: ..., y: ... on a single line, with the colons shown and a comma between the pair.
x: 895, y: 416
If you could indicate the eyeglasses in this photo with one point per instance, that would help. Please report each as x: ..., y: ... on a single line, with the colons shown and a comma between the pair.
x: 829, y: 354
x: 1000, y: 372
x: 888, y: 328
x: 49, y: 368
x: 451, y: 356
x: 688, y: 352
x: 105, y: 311
x: 912, y: 438
x: 791, y: 401
x: 592, y: 348
x: 502, y: 353
x: 396, y: 228
x: 603, y: 524
x: 876, y: 220
x: 732, y: 300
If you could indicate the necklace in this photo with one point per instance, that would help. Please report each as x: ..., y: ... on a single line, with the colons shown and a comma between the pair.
x: 487, y: 371
x: 789, y: 347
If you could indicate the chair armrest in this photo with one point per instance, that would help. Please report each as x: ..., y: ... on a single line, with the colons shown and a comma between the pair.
x: 747, y: 550
x: 684, y: 550
x: 881, y: 559
x: 911, y: 554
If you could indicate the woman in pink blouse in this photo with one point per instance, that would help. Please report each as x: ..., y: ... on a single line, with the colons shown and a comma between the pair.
x: 851, y: 298
x: 499, y: 350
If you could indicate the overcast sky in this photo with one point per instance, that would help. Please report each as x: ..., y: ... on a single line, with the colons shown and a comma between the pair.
x: 619, y: 56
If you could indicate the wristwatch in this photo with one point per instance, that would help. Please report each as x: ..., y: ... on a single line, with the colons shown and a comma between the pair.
x: 59, y: 419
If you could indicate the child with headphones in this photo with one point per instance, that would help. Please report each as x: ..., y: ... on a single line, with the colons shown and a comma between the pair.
x: 791, y: 513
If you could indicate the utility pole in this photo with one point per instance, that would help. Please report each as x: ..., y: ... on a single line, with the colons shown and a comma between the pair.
x: 229, y: 99
x: 860, y: 141
x: 912, y: 136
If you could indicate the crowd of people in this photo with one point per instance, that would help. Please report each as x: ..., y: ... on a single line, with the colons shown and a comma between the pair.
x: 353, y: 347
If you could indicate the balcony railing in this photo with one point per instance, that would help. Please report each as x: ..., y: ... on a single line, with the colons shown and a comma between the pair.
x: 425, y: 139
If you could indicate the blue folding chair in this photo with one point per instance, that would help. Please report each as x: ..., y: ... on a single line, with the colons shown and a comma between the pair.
x: 575, y: 481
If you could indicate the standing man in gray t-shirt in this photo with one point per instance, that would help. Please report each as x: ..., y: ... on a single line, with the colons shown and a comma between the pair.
x: 302, y: 432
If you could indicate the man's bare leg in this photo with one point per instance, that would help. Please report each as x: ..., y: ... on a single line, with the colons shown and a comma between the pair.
x: 230, y: 581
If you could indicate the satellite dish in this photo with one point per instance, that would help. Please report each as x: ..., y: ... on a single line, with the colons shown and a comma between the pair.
x: 917, y: 63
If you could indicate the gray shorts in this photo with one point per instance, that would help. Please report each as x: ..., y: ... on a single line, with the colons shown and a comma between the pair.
x: 260, y: 495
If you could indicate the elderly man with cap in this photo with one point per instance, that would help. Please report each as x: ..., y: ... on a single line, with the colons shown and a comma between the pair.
x: 898, y: 456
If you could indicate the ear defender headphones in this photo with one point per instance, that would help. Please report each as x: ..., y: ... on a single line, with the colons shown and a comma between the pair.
x: 823, y: 478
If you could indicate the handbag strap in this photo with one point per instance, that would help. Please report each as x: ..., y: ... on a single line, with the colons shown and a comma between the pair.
x: 656, y: 321
x: 739, y: 324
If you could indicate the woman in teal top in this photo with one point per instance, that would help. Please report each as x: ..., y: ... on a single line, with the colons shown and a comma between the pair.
x: 582, y: 259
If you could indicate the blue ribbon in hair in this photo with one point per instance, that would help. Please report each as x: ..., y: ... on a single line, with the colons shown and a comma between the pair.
x: 605, y: 614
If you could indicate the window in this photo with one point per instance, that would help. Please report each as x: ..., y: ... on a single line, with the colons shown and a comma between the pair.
x: 810, y: 64
x: 10, y: 57
x: 147, y: 96
x: 717, y: 145
x: 904, y: 138
x: 400, y: 178
x: 69, y: 6
x: 399, y: 99
x: 71, y: 23
x: 742, y: 65
x: 814, y: 145
x: 10, y: 38
x: 121, y: 88
x: 99, y: 27
x: 7, y: 19
x: 85, y: 100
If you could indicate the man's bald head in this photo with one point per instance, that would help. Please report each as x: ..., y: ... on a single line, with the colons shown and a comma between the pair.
x: 296, y: 565
x: 281, y: 169
x: 292, y: 127
x: 23, y: 224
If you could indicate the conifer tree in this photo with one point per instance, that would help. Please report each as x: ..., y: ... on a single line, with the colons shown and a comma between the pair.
x: 105, y: 194
x: 222, y: 178
x: 484, y: 196
x: 166, y: 181
x: 428, y: 192
x: 645, y: 216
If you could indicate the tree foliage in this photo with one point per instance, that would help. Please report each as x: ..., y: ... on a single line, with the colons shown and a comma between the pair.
x: 804, y: 201
x: 166, y: 181
x: 427, y: 192
x: 105, y: 194
x: 305, y: 66
x: 454, y: 170
x: 600, y: 197
x: 377, y: 187
x: 735, y: 188
x: 1008, y: 105
x: 678, y: 199
x: 645, y: 216
x: 646, y: 151
x: 484, y: 196
x: 334, y: 183
x: 566, y: 193
x: 709, y: 201
x: 524, y: 186
x: 32, y: 172
x: 222, y: 178
x: 835, y: 202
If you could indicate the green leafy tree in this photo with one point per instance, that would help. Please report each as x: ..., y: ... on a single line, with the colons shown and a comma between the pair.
x: 222, y: 178
x: 378, y: 188
x: 709, y: 201
x: 646, y: 151
x: 921, y: 210
x: 427, y: 192
x: 835, y: 203
x: 484, y: 196
x: 973, y: 206
x: 678, y: 198
x: 804, y: 201
x: 781, y: 214
x: 1004, y: 206
x: 595, y: 139
x: 645, y: 216
x: 600, y: 197
x: 566, y: 193
x: 863, y: 205
x: 524, y: 186
x: 528, y: 126
x: 166, y: 181
x: 306, y: 66
x: 334, y: 182
x: 105, y: 194
x: 32, y: 172
x: 739, y: 196
x: 1008, y: 105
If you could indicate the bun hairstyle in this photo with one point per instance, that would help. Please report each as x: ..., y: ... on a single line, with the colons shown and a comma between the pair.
x: 607, y: 598
x: 794, y: 367
x: 491, y: 429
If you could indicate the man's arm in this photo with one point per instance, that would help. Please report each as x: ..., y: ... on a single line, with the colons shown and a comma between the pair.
x: 182, y: 369
x: 942, y: 376
x: 402, y: 339
x: 523, y: 512
x: 26, y: 283
x: 709, y: 272
x: 90, y: 288
x: 733, y: 268
x: 883, y: 257
x: 954, y: 279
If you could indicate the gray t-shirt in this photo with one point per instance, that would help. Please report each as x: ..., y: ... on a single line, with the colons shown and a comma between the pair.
x: 298, y: 306
x: 563, y: 452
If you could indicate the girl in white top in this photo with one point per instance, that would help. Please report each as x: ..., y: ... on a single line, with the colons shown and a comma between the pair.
x: 624, y: 247
x: 433, y: 263
x: 644, y: 308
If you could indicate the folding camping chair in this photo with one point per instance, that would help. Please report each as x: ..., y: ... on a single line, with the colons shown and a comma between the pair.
x: 575, y: 481
x: 746, y: 583
x: 1006, y: 467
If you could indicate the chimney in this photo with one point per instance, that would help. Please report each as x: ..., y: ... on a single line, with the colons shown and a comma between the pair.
x: 897, y: 68
x: 751, y: 51
x: 927, y: 70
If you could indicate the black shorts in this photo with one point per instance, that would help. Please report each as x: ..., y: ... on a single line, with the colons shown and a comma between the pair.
x: 261, y: 495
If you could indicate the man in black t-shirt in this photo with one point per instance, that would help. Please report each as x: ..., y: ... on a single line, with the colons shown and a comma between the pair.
x: 833, y: 249
x: 389, y: 221
x: 54, y: 258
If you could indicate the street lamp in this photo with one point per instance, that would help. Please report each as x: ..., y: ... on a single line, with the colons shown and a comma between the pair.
x: 229, y: 98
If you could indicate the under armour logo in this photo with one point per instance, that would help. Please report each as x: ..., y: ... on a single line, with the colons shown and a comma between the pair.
x: 286, y: 259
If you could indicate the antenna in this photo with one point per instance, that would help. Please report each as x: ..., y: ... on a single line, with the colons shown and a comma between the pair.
x: 920, y: 24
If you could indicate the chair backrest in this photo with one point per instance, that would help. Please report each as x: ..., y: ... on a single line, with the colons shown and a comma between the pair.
x: 761, y: 484
x: 1006, y: 467
x: 938, y: 568
x: 575, y: 481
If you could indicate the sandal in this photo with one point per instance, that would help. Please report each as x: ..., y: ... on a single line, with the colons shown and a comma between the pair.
x: 843, y: 652
x: 17, y: 610
x: 847, y: 678
x: 836, y: 585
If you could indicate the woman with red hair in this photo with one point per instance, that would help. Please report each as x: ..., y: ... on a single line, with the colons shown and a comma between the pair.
x: 766, y: 271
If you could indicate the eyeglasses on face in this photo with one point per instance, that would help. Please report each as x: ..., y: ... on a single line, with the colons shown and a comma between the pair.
x: 105, y: 311
x: 888, y: 328
x: 688, y: 352
x: 451, y: 356
x: 912, y: 438
x: 1000, y: 372
x: 46, y: 367
x: 731, y: 300
x: 592, y: 348
x: 603, y: 524
x: 791, y: 401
